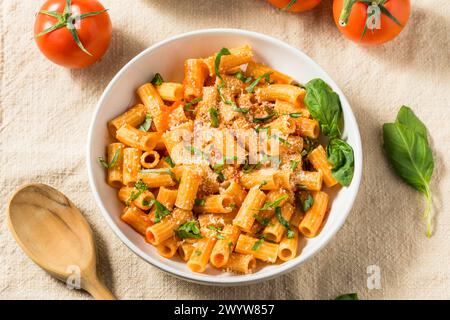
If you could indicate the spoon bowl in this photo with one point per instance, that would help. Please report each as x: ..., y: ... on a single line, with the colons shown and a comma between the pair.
x: 55, y: 235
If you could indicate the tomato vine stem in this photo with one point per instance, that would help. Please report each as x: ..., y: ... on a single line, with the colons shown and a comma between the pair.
x: 68, y: 20
x: 348, y: 6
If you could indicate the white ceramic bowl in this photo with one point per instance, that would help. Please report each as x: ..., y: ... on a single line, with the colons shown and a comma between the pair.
x: 167, y: 58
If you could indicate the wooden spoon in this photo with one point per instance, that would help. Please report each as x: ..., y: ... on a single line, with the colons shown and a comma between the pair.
x: 55, y: 235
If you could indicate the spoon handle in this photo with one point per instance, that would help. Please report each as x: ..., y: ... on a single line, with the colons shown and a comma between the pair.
x: 97, y: 289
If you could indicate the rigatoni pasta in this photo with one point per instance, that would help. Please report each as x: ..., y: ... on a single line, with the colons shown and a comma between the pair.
x: 224, y: 169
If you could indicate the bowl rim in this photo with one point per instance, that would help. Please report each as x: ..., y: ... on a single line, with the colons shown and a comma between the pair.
x: 197, y: 277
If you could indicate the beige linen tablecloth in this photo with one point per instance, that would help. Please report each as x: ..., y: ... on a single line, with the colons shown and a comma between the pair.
x: 45, y: 113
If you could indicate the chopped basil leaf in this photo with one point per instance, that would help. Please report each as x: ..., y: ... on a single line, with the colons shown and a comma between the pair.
x: 284, y: 222
x: 265, y: 76
x: 276, y: 203
x: 241, y: 110
x: 197, y: 253
x: 213, y: 113
x: 161, y: 170
x: 222, y: 52
x: 264, y: 119
x: 199, y: 202
x: 196, y: 151
x: 148, y: 203
x: 218, y: 231
x: 113, y: 163
x: 157, y: 80
x: 348, y: 296
x: 294, y: 164
x: 160, y: 212
x: 189, y: 229
x: 140, y: 187
x: 262, y: 129
x: 262, y: 184
x: 258, y: 244
x: 147, y: 123
x: 247, y: 168
x: 243, y: 78
x: 283, y: 141
x: 295, y: 115
x: 220, y: 177
x: 306, y: 204
x: 188, y: 106
x: 262, y: 220
x: 169, y: 161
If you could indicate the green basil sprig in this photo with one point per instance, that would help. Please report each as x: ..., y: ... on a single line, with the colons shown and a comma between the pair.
x: 406, y: 146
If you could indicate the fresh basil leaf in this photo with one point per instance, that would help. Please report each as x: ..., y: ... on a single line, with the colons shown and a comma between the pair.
x: 214, y: 114
x: 348, y: 296
x: 284, y: 222
x: 147, y: 123
x: 265, y: 76
x: 411, y: 157
x: 325, y: 106
x: 113, y: 163
x: 157, y: 80
x: 169, y: 161
x: 160, y: 212
x: 407, y: 118
x: 189, y: 229
x: 340, y: 156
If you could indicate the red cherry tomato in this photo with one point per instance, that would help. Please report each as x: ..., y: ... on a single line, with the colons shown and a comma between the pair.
x: 393, y: 18
x: 83, y: 34
x: 294, y: 5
